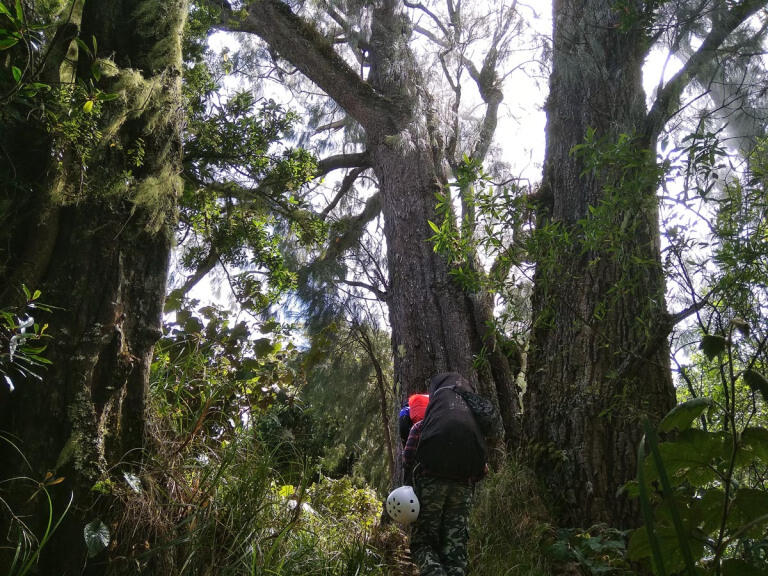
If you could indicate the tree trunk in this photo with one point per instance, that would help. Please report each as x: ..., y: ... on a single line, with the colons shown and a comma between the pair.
x: 433, y: 321
x: 105, y: 273
x: 597, y: 304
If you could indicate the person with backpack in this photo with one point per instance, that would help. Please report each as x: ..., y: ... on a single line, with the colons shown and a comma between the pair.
x: 445, y: 455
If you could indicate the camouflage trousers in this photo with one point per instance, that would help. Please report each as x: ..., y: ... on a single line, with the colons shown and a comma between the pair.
x: 439, y: 535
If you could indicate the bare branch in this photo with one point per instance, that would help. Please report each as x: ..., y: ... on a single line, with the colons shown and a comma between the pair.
x: 428, y: 12
x: 331, y: 163
x: 668, y: 98
x: 299, y: 42
x: 344, y: 188
x: 379, y: 293
x: 200, y: 272
x: 337, y: 125
x: 348, y: 231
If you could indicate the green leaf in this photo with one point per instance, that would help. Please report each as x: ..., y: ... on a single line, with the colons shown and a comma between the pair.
x: 748, y: 506
x: 434, y: 227
x: 96, y: 536
x: 262, y: 346
x: 4, y: 10
x: 755, y: 440
x: 83, y: 46
x: 640, y: 547
x: 19, y: 11
x: 16, y: 73
x: 8, y: 41
x: 690, y: 456
x: 647, y: 543
x: 682, y: 416
x: 756, y: 382
x: 713, y: 345
x: 706, y: 511
x: 683, y: 539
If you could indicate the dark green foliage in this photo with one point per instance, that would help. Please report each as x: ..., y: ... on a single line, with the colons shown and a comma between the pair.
x: 342, y: 385
x: 597, y: 550
x: 243, y: 186
x: 702, y: 488
x: 22, y: 340
x: 296, y: 436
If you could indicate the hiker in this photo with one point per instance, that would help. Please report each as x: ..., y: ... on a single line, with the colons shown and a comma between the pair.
x: 411, y: 413
x: 444, y: 456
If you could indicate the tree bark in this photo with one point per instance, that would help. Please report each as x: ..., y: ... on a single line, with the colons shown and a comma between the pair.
x: 592, y: 305
x: 105, y: 274
x: 599, y: 359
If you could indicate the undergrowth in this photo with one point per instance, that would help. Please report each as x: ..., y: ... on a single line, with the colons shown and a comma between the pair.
x: 509, y: 525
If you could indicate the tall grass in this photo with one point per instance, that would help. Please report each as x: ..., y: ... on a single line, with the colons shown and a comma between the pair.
x: 508, y: 526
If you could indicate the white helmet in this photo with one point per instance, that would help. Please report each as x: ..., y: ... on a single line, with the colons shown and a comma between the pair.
x: 402, y: 505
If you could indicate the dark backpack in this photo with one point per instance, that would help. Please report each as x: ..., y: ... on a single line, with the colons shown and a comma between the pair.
x: 451, y: 443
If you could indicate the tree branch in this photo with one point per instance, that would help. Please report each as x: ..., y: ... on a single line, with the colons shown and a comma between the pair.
x: 331, y: 163
x: 344, y: 188
x: 428, y: 12
x: 381, y: 295
x: 200, y: 272
x: 668, y: 98
x: 348, y: 231
x: 299, y: 42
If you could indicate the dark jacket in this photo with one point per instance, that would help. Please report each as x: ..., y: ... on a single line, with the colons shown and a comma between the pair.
x: 452, y: 443
x: 409, y: 452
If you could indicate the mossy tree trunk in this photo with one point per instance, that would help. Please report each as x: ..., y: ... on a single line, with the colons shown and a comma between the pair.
x: 599, y: 358
x: 95, y: 240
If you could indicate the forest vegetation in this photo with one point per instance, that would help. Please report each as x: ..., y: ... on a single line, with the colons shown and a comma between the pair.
x: 235, y: 237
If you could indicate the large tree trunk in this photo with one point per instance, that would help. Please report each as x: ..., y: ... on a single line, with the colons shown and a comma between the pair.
x: 435, y: 325
x: 109, y: 232
x: 596, y: 367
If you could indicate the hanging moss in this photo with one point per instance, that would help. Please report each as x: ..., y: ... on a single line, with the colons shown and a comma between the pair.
x: 160, y: 20
x: 157, y: 195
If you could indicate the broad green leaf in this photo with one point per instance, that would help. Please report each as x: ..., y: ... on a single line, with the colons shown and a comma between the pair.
x: 640, y: 547
x: 682, y: 416
x: 690, y: 456
x: 434, y: 227
x: 96, y: 536
x: 748, y: 505
x: 713, y: 345
x: 262, y: 346
x: 88, y: 106
x: 706, y: 511
x: 16, y: 73
x: 757, y: 382
x: 8, y: 41
x: 681, y: 530
x: 4, y: 10
x: 755, y: 440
